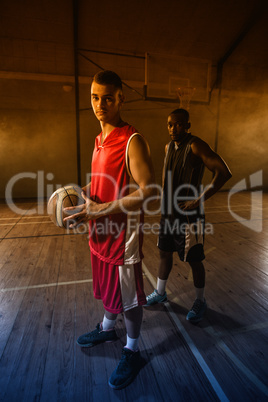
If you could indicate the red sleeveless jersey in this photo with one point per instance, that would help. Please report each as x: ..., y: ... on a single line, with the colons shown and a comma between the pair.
x: 115, y: 238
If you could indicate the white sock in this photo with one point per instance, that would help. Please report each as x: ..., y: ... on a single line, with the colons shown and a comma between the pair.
x: 107, y: 324
x: 161, y: 286
x: 199, y: 292
x: 132, y: 344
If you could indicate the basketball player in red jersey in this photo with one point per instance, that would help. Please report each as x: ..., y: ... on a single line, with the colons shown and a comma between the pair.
x: 121, y: 162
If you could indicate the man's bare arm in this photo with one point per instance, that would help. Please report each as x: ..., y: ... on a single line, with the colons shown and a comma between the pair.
x: 86, y: 189
x: 220, y: 170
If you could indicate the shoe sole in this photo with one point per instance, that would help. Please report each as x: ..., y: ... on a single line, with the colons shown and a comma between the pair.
x: 194, y: 321
x: 125, y: 384
x: 90, y: 345
x: 117, y: 387
x: 153, y: 304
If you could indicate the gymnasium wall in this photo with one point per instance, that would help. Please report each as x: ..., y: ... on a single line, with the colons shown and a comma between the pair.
x: 38, y: 147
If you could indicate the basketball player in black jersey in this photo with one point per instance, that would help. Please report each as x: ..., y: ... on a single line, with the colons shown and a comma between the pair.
x: 182, y: 219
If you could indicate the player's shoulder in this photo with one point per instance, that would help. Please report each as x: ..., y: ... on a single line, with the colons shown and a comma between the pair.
x: 138, y: 145
x: 138, y: 141
x: 197, y: 142
x: 128, y: 129
x: 200, y: 147
x: 167, y: 146
x: 195, y: 138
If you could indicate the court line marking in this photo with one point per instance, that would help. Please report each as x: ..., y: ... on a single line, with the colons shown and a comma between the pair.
x: 200, y: 360
x: 214, y: 383
x: 41, y: 236
x: 45, y: 285
x: 23, y: 223
x: 262, y: 387
x: 246, y: 328
x: 50, y: 222
x: 209, y: 250
x: 217, y: 334
x: 252, y: 377
x: 208, y: 209
x: 25, y: 217
x: 243, y: 368
x: 216, y: 211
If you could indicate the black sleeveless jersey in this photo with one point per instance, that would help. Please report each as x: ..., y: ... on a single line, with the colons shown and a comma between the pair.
x: 181, y: 180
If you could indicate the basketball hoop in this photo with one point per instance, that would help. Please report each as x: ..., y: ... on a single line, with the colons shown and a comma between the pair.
x: 185, y: 95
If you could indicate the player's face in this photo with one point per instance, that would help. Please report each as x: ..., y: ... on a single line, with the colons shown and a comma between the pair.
x: 177, y: 127
x: 106, y: 101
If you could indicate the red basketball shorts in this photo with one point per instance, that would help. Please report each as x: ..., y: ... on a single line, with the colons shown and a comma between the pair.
x: 120, y: 287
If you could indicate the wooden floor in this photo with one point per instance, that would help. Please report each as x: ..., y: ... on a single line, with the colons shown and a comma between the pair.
x: 46, y: 302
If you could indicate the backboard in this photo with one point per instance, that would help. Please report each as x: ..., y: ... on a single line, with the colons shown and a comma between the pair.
x: 165, y: 74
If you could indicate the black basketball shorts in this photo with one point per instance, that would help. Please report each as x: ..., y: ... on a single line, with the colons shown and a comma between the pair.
x: 187, y: 238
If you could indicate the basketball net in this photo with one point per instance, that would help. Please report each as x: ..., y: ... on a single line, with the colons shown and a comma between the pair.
x: 185, y: 95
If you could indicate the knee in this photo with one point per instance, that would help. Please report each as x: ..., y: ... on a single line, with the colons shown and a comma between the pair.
x: 197, y: 266
x: 165, y: 255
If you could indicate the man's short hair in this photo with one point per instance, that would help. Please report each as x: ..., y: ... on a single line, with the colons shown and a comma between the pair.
x: 182, y: 112
x: 108, y: 77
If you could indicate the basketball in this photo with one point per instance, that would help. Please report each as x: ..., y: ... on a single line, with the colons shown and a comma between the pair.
x: 68, y: 196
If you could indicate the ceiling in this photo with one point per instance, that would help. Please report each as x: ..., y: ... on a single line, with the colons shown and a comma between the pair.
x: 36, y: 37
x: 201, y: 29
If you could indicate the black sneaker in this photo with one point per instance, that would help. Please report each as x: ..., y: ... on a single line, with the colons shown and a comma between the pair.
x: 97, y: 336
x: 127, y: 369
x: 197, y: 312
